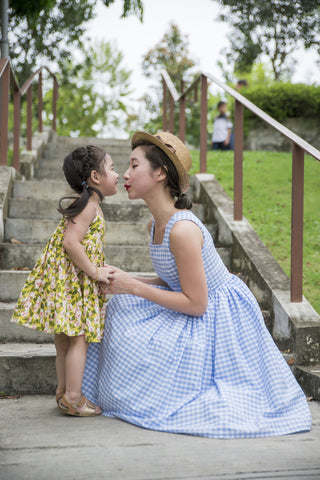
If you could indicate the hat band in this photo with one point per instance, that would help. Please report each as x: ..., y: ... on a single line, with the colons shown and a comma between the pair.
x: 173, y: 150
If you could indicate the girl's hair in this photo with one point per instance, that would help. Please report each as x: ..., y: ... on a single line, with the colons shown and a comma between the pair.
x: 158, y: 158
x: 77, y: 167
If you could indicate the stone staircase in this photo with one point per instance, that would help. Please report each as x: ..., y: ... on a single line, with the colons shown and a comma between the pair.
x: 26, y: 356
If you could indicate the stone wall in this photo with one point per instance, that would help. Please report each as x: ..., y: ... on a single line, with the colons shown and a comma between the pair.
x: 263, y: 137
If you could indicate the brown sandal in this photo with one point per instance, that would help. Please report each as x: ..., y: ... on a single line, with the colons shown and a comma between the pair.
x: 59, y: 395
x: 84, y: 408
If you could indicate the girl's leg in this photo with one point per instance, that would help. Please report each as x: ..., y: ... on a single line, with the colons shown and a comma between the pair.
x: 62, y: 343
x: 75, y: 365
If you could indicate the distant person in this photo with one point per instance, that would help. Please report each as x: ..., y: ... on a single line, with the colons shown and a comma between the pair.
x: 222, y: 129
x: 241, y: 84
x: 61, y: 295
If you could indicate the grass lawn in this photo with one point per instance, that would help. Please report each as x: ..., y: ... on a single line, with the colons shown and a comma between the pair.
x: 267, y: 206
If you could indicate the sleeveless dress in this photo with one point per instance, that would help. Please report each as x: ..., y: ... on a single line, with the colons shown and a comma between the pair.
x: 219, y: 375
x: 58, y: 297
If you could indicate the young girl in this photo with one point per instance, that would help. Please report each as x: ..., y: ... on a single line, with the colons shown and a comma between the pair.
x: 61, y: 295
x: 187, y: 352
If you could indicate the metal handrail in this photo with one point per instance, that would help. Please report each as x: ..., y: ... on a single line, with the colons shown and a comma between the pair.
x: 300, y: 146
x: 8, y: 77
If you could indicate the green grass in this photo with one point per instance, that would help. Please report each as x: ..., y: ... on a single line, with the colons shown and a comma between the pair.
x: 267, y: 206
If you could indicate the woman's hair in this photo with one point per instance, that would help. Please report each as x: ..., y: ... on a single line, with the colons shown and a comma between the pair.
x: 158, y: 159
x: 77, y: 167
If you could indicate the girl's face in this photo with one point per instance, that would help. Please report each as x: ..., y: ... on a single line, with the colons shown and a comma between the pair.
x: 108, y: 178
x: 140, y: 179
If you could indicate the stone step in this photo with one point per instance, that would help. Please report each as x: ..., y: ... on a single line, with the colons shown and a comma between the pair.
x: 13, y: 256
x: 27, y: 368
x: 308, y: 377
x: 12, y: 281
x: 32, y: 208
x: 11, y: 332
x: 14, y: 333
x: 114, y: 211
x: 55, y: 189
x: 35, y: 231
x: 30, y: 368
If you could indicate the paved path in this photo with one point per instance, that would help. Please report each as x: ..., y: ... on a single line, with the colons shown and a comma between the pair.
x: 39, y: 443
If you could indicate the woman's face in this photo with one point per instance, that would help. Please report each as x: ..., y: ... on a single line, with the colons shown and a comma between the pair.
x: 140, y: 179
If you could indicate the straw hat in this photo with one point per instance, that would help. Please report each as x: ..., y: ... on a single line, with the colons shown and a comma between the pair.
x: 174, y: 148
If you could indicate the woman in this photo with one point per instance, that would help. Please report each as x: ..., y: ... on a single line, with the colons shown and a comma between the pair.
x: 188, y: 351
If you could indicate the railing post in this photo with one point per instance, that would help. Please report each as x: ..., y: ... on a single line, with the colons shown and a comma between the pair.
x: 5, y: 87
x: 40, y: 102
x: 29, y: 118
x: 171, y: 114
x: 164, y: 115
x: 16, y: 128
x: 203, y: 124
x: 182, y: 115
x: 54, y: 104
x: 297, y: 223
x: 238, y: 161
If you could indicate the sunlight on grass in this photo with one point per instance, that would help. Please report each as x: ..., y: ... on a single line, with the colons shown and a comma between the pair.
x: 267, y: 206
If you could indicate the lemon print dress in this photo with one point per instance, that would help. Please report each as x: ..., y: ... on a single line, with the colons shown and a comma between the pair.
x: 60, y: 298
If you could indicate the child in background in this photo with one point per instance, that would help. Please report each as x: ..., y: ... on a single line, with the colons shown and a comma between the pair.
x: 222, y: 129
x: 61, y: 295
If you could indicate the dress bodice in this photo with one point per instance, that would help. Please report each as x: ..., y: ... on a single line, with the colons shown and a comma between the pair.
x: 164, y: 263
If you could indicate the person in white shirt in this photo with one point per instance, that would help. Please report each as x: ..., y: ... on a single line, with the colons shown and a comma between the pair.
x: 222, y: 129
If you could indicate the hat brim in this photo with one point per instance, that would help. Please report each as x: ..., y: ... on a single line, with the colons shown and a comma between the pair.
x: 183, y: 176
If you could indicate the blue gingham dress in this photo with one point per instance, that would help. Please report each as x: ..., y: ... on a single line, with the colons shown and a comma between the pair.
x: 219, y: 375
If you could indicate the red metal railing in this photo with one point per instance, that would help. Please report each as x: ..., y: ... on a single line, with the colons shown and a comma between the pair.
x: 300, y: 147
x: 8, y: 79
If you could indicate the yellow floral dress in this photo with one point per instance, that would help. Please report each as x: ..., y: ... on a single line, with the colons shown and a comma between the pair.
x: 60, y: 298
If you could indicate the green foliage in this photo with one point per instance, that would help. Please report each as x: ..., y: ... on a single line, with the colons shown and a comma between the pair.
x: 48, y: 31
x: 273, y: 29
x: 93, y: 93
x: 130, y: 7
x: 170, y: 54
x: 285, y: 100
x: 267, y: 206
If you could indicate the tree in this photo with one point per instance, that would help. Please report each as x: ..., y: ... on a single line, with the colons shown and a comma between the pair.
x: 170, y: 54
x: 273, y: 29
x: 92, y: 94
x: 46, y: 31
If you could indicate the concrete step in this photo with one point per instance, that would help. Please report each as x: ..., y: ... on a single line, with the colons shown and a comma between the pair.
x: 12, y: 281
x: 114, y: 211
x: 11, y: 332
x: 27, y: 368
x: 35, y: 231
x: 30, y: 368
x: 308, y: 377
x: 55, y: 189
x: 13, y: 256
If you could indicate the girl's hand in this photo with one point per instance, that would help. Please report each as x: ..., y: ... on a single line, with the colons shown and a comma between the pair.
x: 104, y: 274
x: 119, y: 282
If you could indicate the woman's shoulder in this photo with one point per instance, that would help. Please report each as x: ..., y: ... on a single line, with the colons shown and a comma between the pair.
x: 185, y: 224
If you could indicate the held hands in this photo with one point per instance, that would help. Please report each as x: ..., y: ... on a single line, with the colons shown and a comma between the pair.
x: 118, y: 281
x: 104, y: 274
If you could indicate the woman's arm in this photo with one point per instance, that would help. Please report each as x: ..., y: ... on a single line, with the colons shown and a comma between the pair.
x: 74, y: 235
x: 193, y: 299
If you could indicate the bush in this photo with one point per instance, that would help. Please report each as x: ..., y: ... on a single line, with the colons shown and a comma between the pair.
x: 285, y: 100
